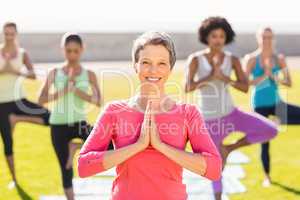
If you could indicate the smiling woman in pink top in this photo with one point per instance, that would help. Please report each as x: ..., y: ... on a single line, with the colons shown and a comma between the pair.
x: 150, y: 132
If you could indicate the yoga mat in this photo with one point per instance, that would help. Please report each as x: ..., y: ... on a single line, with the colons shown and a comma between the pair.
x: 237, y: 157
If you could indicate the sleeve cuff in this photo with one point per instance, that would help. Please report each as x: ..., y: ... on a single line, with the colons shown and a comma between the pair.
x: 213, y: 167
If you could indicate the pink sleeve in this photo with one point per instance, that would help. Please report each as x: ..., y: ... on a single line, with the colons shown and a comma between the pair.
x: 201, y: 142
x: 91, y: 154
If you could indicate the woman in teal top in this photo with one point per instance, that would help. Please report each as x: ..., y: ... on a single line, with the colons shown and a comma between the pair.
x: 68, y: 117
x: 264, y: 66
x: 266, y: 92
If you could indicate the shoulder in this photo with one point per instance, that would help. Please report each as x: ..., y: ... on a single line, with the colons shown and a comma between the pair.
x: 199, y: 53
x: 190, y: 108
x: 195, y: 56
x: 22, y: 53
x: 116, y: 106
x: 53, y: 72
x: 235, y: 59
x: 231, y: 58
x: 57, y: 70
x: 92, y: 75
x: 251, y: 57
x: 51, y: 75
x: 192, y: 58
x: 21, y: 50
x: 191, y: 111
x: 230, y: 55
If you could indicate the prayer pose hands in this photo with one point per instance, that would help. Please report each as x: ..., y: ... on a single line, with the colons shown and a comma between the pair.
x: 149, y: 134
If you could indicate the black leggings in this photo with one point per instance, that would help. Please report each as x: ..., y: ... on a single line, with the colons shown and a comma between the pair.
x: 20, y: 107
x: 61, y: 136
x: 288, y: 114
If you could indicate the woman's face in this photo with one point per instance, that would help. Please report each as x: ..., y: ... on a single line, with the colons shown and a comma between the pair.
x: 10, y: 34
x: 216, y: 39
x: 266, y: 39
x: 153, y: 67
x: 72, y: 52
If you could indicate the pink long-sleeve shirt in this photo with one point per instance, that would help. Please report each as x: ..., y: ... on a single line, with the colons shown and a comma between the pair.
x: 149, y: 174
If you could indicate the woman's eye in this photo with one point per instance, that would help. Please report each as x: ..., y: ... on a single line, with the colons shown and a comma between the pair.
x: 145, y: 62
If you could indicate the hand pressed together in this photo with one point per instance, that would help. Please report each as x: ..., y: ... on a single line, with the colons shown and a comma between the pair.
x: 149, y: 134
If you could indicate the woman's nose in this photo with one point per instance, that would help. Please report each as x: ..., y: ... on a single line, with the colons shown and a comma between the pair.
x: 152, y: 68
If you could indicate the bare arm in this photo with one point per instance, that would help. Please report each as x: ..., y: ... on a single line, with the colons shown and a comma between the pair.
x: 45, y: 95
x: 284, y: 69
x: 190, y: 83
x: 27, y: 62
x: 95, y: 97
x: 242, y: 81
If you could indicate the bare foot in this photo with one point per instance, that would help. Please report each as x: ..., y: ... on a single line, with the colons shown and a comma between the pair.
x: 267, y: 182
x: 11, y: 185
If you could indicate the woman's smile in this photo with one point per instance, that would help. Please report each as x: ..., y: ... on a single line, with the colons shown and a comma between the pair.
x: 153, y: 79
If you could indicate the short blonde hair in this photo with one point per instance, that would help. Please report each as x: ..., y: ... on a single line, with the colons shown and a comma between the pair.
x: 261, y: 30
x: 154, y: 38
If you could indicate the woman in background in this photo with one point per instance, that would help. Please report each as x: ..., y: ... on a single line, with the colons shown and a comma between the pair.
x: 13, y: 103
x: 68, y: 117
x: 212, y: 67
x: 263, y: 67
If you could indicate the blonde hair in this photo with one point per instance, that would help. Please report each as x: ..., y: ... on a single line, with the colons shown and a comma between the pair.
x: 261, y: 30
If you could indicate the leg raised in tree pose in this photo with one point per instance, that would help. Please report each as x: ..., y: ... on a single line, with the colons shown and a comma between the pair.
x: 213, y: 67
